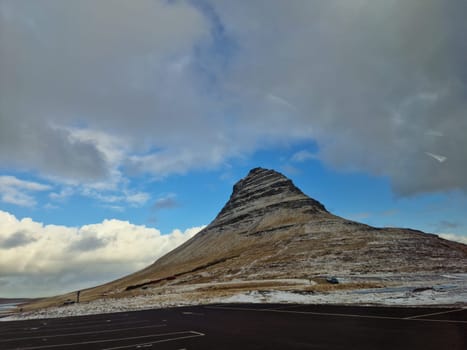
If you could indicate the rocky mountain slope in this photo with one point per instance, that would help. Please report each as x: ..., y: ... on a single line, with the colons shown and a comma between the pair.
x: 269, y: 231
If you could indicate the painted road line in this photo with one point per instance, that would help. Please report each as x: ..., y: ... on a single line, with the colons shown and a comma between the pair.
x: 435, y: 314
x: 79, y: 320
x: 192, y: 313
x: 54, y: 322
x: 430, y: 320
x: 80, y: 333
x: 305, y: 312
x: 332, y: 314
x: 70, y: 327
x: 73, y: 324
x: 194, y: 333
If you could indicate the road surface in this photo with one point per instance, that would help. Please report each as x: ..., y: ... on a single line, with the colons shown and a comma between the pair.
x: 247, y: 326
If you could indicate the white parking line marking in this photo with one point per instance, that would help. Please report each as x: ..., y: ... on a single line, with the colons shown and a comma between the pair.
x: 434, y: 314
x: 305, y: 312
x: 194, y: 334
x: 101, y: 321
x: 82, y: 333
x: 332, y: 314
x: 55, y: 329
x: 192, y: 313
x: 74, y: 323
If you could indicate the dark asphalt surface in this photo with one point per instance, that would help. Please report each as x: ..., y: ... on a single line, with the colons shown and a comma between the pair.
x: 247, y: 326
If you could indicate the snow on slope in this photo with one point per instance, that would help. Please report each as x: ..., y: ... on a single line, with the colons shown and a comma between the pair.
x: 422, y: 290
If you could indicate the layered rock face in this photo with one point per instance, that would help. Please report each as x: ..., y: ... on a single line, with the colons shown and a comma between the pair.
x: 263, y: 206
x: 262, y: 193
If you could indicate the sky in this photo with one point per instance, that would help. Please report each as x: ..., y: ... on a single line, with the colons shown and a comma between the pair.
x: 125, y: 124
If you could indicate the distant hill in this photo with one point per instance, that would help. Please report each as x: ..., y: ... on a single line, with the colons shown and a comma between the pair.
x: 15, y: 300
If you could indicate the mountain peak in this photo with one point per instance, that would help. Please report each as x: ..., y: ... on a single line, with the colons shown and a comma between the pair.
x: 261, y: 191
x: 264, y: 182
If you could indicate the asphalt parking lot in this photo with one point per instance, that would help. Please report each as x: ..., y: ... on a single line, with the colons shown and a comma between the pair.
x: 247, y: 326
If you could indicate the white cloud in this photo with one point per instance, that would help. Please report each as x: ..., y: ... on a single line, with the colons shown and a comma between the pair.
x: 132, y: 198
x: 438, y: 157
x: 38, y: 259
x: 62, y: 194
x: 109, y: 70
x: 11, y: 181
x: 177, y: 87
x: 16, y: 191
x: 303, y: 156
x: 434, y: 133
x: 335, y: 82
x: 167, y: 201
x: 281, y: 101
x: 116, y: 195
x: 112, y: 147
x: 137, y: 198
x: 454, y: 237
x: 117, y: 208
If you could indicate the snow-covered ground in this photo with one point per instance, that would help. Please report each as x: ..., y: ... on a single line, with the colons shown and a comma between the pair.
x: 402, y: 290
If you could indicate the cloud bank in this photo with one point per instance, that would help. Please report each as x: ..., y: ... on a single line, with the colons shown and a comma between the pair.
x: 174, y: 86
x: 37, y: 259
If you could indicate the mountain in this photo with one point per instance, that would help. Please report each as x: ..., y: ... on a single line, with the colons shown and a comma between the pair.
x: 270, y: 230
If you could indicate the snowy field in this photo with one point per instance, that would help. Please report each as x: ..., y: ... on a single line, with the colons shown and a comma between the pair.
x: 400, y: 291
